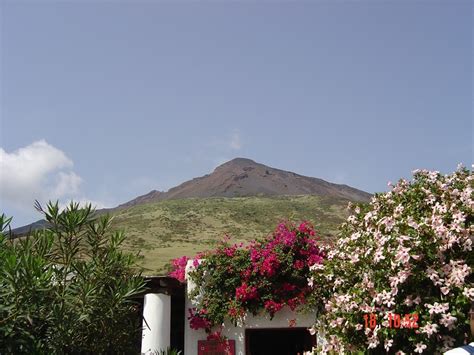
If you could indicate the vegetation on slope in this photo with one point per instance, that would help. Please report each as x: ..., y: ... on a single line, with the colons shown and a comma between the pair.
x: 168, y: 229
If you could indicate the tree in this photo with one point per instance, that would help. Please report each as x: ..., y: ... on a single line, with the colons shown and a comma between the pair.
x: 68, y: 288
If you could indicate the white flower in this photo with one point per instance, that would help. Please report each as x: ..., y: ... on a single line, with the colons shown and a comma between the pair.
x: 373, y: 342
x: 448, y: 321
x: 429, y: 329
x: 444, y: 290
x: 390, y: 302
x: 437, y: 308
x: 316, y: 267
x: 378, y: 256
x: 469, y: 293
x: 411, y: 222
x: 420, y: 347
x: 388, y: 344
x: 408, y: 301
x: 354, y: 258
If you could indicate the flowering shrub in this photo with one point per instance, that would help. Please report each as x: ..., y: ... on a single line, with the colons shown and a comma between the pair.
x: 267, y: 275
x: 408, y: 252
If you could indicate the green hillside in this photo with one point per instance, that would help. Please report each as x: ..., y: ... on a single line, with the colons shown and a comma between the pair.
x: 168, y: 229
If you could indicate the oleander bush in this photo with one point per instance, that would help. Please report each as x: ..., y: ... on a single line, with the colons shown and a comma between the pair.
x: 68, y: 289
x: 409, y: 252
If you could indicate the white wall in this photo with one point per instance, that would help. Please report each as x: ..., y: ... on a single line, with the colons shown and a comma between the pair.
x: 280, y: 320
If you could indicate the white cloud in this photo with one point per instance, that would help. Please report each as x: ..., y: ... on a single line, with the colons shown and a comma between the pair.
x: 67, y: 184
x: 40, y: 172
x: 235, y: 142
x: 85, y: 201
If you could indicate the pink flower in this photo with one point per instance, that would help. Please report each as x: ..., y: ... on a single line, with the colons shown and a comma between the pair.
x: 269, y: 265
x: 315, y: 259
x: 245, y: 293
x: 303, y: 227
x: 272, y: 307
x: 230, y: 251
x: 179, y: 268
x: 197, y: 319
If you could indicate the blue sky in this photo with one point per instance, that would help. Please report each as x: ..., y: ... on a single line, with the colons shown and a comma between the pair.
x: 104, y: 101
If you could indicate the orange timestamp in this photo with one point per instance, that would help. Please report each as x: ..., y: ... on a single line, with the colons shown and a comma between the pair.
x: 409, y: 321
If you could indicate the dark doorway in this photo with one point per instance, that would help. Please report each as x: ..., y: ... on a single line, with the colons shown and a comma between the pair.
x: 281, y: 341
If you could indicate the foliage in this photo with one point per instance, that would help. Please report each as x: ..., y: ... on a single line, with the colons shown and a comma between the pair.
x: 68, y: 289
x: 408, y: 252
x: 267, y: 275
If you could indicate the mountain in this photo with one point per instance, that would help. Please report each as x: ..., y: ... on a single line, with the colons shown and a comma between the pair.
x: 242, y: 177
x: 30, y: 227
x: 239, y: 177
x: 240, y: 198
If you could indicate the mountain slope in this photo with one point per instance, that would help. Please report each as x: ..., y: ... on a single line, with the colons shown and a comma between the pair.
x: 171, y: 228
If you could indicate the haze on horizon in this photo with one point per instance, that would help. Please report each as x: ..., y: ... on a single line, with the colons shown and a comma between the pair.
x: 105, y: 101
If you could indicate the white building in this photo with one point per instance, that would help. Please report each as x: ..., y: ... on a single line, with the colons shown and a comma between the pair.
x: 166, y: 325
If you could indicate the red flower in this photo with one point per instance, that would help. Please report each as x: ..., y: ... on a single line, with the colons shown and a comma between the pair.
x: 288, y: 287
x: 269, y: 265
x: 315, y: 259
x: 299, y: 264
x: 245, y: 292
x: 272, y: 307
x: 196, y: 319
x: 217, y: 336
x: 293, y: 303
x: 235, y: 312
x: 246, y: 274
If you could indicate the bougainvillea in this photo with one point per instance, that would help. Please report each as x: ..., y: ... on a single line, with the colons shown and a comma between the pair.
x: 265, y: 276
x: 407, y: 253
x: 179, y: 268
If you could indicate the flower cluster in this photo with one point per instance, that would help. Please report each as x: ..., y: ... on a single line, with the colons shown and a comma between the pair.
x: 267, y: 275
x: 198, y: 319
x: 179, y: 268
x: 408, y: 252
x: 245, y: 293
